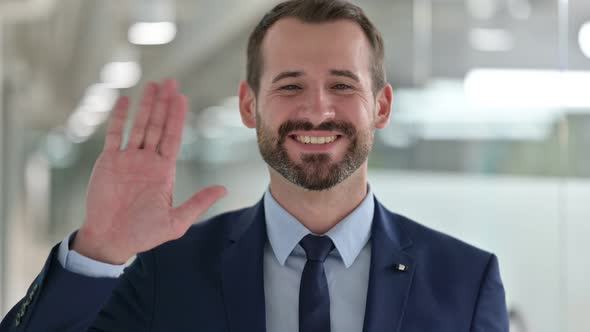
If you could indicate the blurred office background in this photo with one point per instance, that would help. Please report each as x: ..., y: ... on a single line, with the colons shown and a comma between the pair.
x: 488, y: 141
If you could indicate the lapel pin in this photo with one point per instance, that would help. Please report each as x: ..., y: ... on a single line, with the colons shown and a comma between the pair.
x: 401, y: 267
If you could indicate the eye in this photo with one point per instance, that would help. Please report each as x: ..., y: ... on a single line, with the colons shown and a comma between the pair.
x: 341, y: 86
x: 290, y: 87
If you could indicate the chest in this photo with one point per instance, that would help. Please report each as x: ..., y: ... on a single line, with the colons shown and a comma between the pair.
x: 347, y: 288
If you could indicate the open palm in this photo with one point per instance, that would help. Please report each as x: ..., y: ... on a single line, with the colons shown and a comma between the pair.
x: 129, y: 201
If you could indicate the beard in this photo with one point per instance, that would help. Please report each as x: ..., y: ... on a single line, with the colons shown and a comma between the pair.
x: 316, y: 171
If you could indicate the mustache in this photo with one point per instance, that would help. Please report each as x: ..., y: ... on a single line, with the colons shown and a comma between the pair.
x: 342, y: 127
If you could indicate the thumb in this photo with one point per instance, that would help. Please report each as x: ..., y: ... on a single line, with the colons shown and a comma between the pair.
x: 198, y: 204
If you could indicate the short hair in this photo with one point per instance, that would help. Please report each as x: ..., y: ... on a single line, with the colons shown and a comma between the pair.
x: 315, y: 11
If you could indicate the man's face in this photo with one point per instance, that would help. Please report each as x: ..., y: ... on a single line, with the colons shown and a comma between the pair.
x: 315, y: 109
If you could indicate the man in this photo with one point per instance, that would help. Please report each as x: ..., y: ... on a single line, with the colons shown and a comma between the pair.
x: 317, y: 253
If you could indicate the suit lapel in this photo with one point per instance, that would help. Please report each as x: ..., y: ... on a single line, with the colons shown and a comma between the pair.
x: 242, y: 272
x: 389, y: 284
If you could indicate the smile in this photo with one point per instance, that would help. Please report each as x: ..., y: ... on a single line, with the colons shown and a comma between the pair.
x: 316, y: 139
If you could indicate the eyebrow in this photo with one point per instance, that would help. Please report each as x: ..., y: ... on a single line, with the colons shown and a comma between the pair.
x: 287, y: 74
x: 334, y: 72
x: 345, y: 73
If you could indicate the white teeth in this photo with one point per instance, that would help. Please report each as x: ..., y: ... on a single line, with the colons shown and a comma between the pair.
x: 316, y: 140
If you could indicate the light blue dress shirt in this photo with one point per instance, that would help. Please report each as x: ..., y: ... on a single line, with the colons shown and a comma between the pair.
x: 347, y: 267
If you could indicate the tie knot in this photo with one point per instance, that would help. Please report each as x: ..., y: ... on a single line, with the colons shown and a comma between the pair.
x: 317, y: 248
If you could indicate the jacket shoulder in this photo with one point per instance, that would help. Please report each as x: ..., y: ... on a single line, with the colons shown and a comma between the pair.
x: 446, y: 248
x: 206, y: 238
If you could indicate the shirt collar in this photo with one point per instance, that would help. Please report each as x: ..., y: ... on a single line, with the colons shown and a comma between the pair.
x: 349, y: 236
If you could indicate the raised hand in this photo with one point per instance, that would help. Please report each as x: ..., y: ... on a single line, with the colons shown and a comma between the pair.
x: 129, y: 199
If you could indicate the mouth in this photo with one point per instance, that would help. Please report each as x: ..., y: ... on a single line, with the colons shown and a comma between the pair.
x: 315, y: 142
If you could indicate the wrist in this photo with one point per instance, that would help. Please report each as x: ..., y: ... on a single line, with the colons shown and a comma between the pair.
x: 89, y: 245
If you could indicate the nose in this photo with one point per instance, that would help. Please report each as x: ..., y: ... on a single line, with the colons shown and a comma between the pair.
x: 318, y: 106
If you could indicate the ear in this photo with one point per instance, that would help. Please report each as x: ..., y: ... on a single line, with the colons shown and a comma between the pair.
x: 247, y: 105
x: 383, y: 105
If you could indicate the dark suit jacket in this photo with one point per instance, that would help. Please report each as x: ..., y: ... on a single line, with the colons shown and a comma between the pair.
x: 212, y: 280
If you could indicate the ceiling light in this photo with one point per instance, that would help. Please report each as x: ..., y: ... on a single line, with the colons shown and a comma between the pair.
x: 151, y: 33
x: 520, y: 9
x: 88, y: 117
x: 482, y: 9
x: 121, y: 74
x: 584, y: 39
x: 491, y: 40
x: 76, y: 130
x: 100, y: 98
x: 528, y: 88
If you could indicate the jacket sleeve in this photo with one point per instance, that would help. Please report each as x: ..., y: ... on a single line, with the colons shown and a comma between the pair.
x: 490, y: 313
x: 59, y: 300
x: 131, y: 306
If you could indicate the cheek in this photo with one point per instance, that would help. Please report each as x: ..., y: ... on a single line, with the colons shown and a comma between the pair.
x: 355, y: 111
x: 276, y: 111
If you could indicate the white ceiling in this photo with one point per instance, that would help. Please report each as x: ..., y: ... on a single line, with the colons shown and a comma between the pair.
x: 53, y: 50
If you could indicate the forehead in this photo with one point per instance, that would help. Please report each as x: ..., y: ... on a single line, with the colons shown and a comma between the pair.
x: 291, y: 44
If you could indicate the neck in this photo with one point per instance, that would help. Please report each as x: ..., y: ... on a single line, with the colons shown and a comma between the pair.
x: 319, y: 211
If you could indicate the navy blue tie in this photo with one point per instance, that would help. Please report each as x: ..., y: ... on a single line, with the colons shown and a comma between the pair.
x: 314, y: 298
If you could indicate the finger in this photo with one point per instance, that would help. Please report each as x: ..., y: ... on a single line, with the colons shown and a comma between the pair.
x: 187, y: 213
x: 145, y: 108
x: 116, y: 125
x: 172, y: 136
x: 157, y: 120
